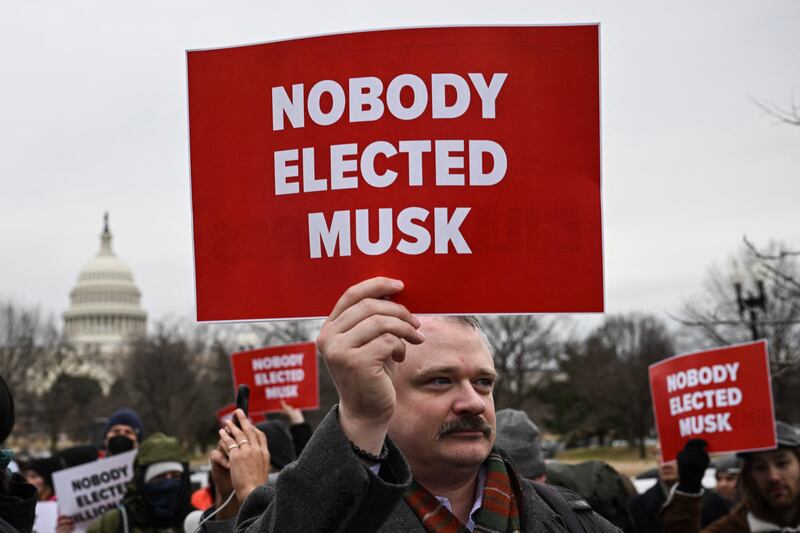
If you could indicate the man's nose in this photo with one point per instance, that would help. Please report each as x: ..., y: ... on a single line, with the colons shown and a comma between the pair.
x: 774, y: 473
x: 469, y: 402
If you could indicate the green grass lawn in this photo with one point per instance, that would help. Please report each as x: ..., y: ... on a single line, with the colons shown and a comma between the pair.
x: 603, y: 454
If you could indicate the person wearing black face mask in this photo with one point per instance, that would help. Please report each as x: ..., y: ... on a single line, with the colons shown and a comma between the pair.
x: 158, y: 498
x: 123, y: 431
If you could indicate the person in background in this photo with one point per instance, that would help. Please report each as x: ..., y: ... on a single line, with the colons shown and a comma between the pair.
x: 124, y: 431
x: 17, y: 496
x: 39, y: 473
x: 727, y: 475
x: 519, y: 437
x: 244, y: 445
x: 280, y: 444
x: 769, y: 490
x: 298, y: 427
x: 203, y: 498
x: 644, y: 508
x: 158, y: 498
x: 591, y: 483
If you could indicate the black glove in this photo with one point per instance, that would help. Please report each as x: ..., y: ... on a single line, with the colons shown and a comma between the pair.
x: 692, y: 463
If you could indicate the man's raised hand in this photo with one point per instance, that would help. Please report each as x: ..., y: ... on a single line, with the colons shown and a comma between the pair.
x: 361, y: 339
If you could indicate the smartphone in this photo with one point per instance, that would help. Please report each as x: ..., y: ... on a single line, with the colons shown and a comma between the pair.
x: 242, y: 401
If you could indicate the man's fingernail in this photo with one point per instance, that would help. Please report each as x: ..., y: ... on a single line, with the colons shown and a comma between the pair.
x: 397, y: 284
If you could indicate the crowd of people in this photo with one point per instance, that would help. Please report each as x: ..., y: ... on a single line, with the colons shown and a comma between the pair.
x: 414, y: 444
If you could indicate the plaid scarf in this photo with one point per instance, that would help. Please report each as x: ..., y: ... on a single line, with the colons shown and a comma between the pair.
x: 498, y: 513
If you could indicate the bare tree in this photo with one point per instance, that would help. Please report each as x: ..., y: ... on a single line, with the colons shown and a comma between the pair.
x: 604, y: 387
x: 29, y: 347
x: 721, y: 318
x: 525, y: 350
x: 67, y: 407
x: 288, y: 331
x: 786, y: 115
x: 166, y: 378
x: 766, y: 305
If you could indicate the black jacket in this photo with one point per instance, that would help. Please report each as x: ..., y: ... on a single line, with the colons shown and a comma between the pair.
x: 644, y: 509
x: 18, y: 506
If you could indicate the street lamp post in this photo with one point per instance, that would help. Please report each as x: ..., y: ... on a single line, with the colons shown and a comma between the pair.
x: 749, y: 302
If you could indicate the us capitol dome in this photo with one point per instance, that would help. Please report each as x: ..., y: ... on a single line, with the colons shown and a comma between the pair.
x: 105, y: 313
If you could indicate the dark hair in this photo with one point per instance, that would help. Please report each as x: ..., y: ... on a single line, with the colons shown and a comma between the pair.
x: 750, y: 496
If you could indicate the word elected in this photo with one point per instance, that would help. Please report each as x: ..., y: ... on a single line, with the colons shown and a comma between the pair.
x: 277, y: 375
x: 709, y: 398
x: 456, y: 162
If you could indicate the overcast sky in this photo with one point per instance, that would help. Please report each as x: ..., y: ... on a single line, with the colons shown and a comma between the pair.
x: 93, y: 118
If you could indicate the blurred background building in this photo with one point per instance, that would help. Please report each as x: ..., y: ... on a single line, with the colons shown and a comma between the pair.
x: 105, y: 312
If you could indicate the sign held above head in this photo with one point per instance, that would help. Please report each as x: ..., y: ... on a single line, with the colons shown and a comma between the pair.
x: 722, y: 395
x: 463, y: 160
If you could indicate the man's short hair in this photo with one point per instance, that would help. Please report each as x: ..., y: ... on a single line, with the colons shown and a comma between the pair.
x: 472, y: 322
x: 467, y: 320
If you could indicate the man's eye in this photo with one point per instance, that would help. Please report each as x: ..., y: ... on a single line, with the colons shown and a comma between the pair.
x: 439, y: 381
x: 485, y: 382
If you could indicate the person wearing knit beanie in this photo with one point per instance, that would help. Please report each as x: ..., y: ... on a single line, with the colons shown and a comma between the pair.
x: 124, y: 431
x: 520, y: 438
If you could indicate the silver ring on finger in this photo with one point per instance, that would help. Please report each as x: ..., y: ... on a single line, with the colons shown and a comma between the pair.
x: 243, y: 441
x: 232, y: 446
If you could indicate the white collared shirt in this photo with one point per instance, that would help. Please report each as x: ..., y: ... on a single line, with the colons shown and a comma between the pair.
x: 479, y: 486
x: 478, y: 498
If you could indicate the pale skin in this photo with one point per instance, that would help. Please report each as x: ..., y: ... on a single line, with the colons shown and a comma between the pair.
x: 777, y: 476
x: 294, y: 415
x: 239, y: 464
x: 407, y: 377
x: 726, y: 485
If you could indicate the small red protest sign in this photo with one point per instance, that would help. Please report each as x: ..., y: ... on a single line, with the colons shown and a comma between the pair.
x: 278, y: 373
x: 464, y: 161
x: 723, y: 395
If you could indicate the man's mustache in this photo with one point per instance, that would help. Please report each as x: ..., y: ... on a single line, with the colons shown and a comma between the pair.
x: 474, y: 423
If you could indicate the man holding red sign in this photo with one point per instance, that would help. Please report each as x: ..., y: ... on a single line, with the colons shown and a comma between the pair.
x: 423, y: 387
x: 769, y: 489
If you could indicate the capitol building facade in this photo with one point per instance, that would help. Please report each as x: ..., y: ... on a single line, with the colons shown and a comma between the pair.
x: 105, y: 313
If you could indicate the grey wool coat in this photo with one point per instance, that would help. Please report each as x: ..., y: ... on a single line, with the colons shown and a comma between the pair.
x: 328, y: 489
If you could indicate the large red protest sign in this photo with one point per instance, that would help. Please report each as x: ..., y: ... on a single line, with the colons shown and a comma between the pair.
x: 722, y: 395
x: 278, y: 373
x: 464, y: 161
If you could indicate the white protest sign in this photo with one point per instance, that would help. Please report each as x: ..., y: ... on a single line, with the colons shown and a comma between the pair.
x: 46, y: 517
x: 87, y: 491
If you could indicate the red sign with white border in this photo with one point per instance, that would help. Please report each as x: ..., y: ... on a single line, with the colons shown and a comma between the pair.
x: 464, y: 161
x: 278, y: 373
x: 722, y: 395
